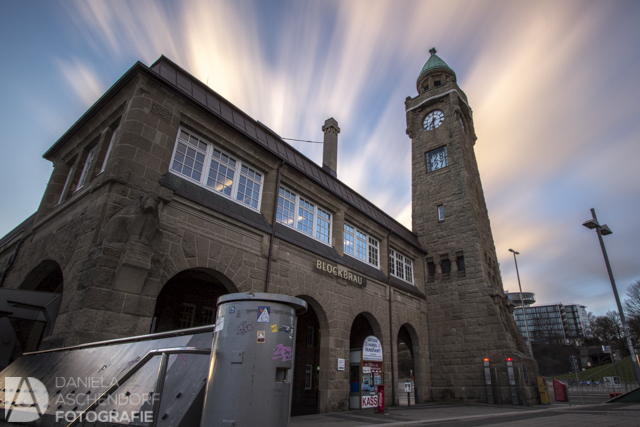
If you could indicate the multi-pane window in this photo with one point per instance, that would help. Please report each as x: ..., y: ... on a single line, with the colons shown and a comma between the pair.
x: 308, y: 377
x: 303, y: 215
x: 187, y: 315
x: 360, y: 245
x: 216, y: 170
x: 85, y: 169
x: 323, y: 226
x: 400, y: 266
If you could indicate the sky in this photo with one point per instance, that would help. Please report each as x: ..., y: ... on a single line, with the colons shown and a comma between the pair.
x: 554, y: 87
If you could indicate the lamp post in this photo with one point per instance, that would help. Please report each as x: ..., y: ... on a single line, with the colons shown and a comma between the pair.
x: 603, y: 230
x: 524, y: 313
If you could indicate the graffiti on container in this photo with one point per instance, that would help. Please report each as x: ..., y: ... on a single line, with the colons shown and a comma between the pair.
x: 282, y: 352
x: 244, y: 327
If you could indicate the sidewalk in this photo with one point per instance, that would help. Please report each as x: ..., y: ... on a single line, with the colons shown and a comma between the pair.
x: 424, y: 414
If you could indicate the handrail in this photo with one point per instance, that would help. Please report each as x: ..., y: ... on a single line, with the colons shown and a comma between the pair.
x: 156, y: 336
x: 162, y: 371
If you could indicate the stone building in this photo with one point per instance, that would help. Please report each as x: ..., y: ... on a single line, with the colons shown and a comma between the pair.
x: 165, y: 196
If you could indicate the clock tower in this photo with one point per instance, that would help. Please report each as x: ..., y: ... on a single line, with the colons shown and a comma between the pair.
x: 469, y: 318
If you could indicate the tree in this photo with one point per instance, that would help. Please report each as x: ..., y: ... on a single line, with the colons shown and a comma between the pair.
x: 632, y: 310
x: 608, y: 329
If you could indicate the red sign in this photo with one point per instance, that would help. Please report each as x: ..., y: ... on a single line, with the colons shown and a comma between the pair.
x: 560, y: 391
x: 381, y: 399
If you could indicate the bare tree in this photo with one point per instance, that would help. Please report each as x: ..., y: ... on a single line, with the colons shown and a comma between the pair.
x: 632, y: 310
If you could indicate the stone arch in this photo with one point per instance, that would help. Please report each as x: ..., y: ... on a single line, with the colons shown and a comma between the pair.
x: 359, y: 328
x: 407, y: 361
x: 189, y: 298
x: 310, y: 389
x: 45, y: 277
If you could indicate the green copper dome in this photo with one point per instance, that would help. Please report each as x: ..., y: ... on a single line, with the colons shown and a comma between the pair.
x: 434, y: 62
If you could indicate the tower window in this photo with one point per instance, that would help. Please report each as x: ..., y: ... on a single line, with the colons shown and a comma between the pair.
x: 436, y: 83
x: 440, y: 213
x: 460, y: 263
x: 431, y: 271
x: 445, y: 264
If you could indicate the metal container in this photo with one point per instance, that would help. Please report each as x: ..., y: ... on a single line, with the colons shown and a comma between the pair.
x: 251, y: 370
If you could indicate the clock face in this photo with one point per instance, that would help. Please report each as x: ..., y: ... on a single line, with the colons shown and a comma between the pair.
x: 437, y: 159
x: 433, y: 120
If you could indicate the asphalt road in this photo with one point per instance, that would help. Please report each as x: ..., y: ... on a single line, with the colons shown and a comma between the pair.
x: 601, y: 415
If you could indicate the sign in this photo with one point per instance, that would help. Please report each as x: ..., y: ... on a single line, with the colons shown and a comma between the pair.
x: 263, y: 314
x: 407, y: 387
x: 369, y: 401
x: 340, y: 272
x: 372, y: 349
x: 340, y: 364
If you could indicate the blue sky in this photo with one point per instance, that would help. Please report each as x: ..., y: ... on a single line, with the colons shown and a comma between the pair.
x: 554, y: 86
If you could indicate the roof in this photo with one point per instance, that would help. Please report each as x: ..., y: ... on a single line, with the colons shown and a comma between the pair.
x: 434, y: 62
x: 180, y: 80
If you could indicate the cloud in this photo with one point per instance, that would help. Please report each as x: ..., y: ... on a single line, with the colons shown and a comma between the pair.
x: 82, y: 79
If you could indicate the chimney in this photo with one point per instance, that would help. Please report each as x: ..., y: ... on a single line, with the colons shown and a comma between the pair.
x: 330, y: 149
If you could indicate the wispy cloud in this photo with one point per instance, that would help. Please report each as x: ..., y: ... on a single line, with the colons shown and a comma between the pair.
x: 82, y: 79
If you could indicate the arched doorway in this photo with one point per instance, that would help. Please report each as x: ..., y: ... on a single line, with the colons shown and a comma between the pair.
x: 406, y: 367
x: 29, y: 321
x: 306, y: 374
x: 189, y: 299
x: 363, y: 379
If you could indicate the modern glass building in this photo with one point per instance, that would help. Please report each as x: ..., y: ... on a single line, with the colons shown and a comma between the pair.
x: 551, y: 323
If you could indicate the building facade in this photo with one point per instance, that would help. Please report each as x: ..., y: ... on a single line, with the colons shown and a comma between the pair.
x: 165, y: 196
x: 550, y: 323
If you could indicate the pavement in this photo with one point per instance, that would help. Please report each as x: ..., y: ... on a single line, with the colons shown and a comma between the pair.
x: 472, y: 415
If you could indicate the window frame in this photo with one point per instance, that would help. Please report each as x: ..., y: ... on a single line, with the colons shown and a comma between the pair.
x: 393, y: 264
x: 297, y: 206
x: 88, y: 161
x: 109, y: 147
x: 238, y: 173
x: 357, y: 240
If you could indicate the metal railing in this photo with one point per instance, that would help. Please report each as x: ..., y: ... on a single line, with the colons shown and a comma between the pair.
x: 157, y: 392
x: 603, y: 385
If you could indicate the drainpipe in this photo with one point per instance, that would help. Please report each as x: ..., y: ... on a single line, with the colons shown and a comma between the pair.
x: 273, y: 227
x: 393, y: 376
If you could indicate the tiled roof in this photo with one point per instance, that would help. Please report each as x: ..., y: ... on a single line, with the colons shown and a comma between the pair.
x: 220, y: 107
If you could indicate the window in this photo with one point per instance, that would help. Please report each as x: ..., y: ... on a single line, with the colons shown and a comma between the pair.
x: 212, y: 168
x: 431, y: 271
x: 400, y: 266
x: 187, y: 315
x: 460, y: 265
x: 85, y: 169
x: 66, y: 185
x: 440, y: 213
x: 207, y: 315
x: 445, y: 264
x: 308, y: 377
x: 106, y: 156
x: 303, y: 215
x: 310, y: 336
x: 360, y: 245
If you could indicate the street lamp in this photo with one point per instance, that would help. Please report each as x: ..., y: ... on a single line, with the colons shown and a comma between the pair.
x: 603, y: 230
x: 524, y: 313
